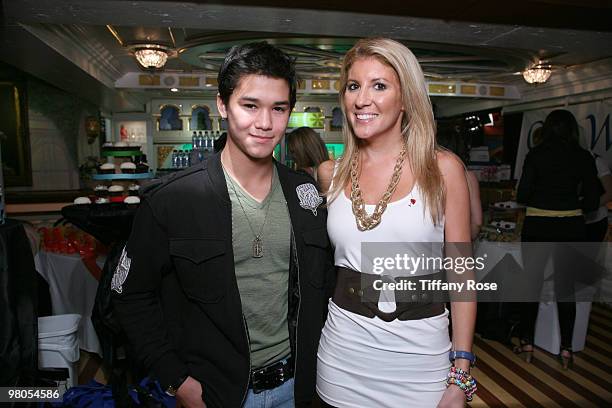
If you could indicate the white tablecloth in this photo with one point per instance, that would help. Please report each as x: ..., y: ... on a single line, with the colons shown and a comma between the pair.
x: 73, y: 290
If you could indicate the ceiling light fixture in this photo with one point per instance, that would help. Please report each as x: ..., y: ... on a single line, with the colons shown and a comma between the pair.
x: 151, y: 56
x: 538, y: 73
x: 174, y: 90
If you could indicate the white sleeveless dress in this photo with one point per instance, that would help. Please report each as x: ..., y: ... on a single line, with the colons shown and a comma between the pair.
x: 370, y: 363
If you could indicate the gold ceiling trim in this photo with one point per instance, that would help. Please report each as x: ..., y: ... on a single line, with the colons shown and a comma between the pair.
x: 115, y: 34
x: 172, y: 37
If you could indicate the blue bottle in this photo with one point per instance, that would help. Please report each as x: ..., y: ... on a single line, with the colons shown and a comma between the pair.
x: 175, y: 160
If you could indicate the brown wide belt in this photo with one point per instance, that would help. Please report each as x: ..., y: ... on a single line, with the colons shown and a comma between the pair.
x: 355, y: 292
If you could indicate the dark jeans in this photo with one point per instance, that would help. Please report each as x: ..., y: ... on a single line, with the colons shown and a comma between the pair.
x: 596, y: 231
x: 550, y: 230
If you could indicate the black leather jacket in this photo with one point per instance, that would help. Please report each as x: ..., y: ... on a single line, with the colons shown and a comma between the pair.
x: 180, y: 304
x: 18, y: 307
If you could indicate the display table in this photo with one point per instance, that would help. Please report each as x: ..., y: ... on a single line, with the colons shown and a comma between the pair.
x: 73, y: 290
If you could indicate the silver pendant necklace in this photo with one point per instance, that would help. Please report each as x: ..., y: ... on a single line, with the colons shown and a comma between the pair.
x: 257, y: 247
x: 257, y: 244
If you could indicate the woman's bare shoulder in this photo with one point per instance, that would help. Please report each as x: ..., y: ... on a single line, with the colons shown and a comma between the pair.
x: 472, y: 178
x: 449, y: 163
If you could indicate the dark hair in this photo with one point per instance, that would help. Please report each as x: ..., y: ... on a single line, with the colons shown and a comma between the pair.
x: 560, y: 127
x: 306, y: 147
x: 449, y: 136
x: 219, y: 144
x: 258, y: 58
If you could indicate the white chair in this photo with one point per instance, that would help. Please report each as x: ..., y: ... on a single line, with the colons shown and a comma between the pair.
x: 58, y: 344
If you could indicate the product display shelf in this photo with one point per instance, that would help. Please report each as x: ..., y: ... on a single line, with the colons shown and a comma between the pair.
x: 121, y: 153
x: 123, y: 176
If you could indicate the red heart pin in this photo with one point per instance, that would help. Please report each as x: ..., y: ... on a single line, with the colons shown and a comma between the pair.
x: 412, y: 201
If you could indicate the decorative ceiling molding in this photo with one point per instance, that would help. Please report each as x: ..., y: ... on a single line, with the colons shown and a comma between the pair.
x: 574, y: 14
x: 207, y: 86
x: 76, y: 44
x: 572, y: 85
x: 321, y: 56
x: 574, y: 81
x: 23, y: 50
x: 350, y: 21
x: 485, y: 51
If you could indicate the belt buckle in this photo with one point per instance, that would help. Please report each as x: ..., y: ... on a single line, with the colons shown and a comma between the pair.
x: 257, y: 381
x: 267, y: 378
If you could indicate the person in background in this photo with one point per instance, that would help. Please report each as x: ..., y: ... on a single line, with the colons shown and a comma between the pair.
x: 392, y: 185
x: 307, y: 150
x: 475, y: 204
x: 597, y: 221
x: 221, y: 288
x: 558, y: 185
x: 450, y: 139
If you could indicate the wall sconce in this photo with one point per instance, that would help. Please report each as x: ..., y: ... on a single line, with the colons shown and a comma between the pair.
x: 92, y: 128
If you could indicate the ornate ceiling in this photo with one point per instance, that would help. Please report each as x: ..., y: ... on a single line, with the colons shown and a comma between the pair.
x: 83, y: 46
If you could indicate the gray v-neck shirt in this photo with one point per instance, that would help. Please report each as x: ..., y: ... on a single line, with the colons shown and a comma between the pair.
x: 262, y: 282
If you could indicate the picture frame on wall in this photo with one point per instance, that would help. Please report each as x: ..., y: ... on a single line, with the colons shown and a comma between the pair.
x: 16, y: 159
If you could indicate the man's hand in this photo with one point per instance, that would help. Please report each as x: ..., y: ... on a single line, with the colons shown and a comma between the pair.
x: 453, y: 397
x: 189, y: 394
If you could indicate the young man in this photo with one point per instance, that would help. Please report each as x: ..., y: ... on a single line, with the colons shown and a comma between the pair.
x: 223, y: 285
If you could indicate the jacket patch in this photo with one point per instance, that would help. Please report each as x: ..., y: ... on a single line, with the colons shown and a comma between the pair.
x: 309, y: 197
x: 121, y: 273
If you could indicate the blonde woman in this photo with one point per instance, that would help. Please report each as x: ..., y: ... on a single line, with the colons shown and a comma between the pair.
x: 307, y: 149
x: 393, y: 184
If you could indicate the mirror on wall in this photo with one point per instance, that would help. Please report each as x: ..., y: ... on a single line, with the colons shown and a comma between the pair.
x: 170, y: 118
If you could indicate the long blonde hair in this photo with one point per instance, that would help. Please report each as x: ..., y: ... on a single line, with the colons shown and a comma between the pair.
x: 418, y: 124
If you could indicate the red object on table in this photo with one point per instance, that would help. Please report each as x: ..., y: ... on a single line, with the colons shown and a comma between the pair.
x: 89, y: 260
x: 67, y: 240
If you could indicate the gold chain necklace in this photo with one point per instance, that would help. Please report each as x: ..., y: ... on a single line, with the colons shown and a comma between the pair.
x: 365, y: 221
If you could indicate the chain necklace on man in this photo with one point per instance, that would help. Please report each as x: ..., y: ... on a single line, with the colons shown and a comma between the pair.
x: 257, y: 245
x: 365, y: 221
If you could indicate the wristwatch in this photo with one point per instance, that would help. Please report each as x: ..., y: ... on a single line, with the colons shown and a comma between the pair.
x: 466, y: 355
x: 173, y: 388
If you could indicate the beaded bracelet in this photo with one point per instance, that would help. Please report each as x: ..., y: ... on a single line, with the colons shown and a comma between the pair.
x: 463, y: 380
